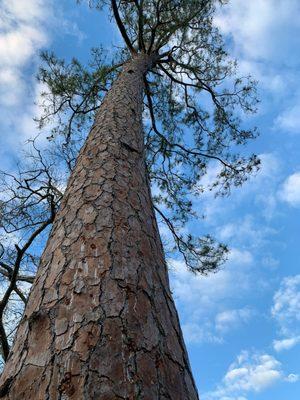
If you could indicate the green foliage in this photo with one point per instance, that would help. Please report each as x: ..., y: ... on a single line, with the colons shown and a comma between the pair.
x: 193, y: 106
x: 73, y: 92
x: 98, y: 4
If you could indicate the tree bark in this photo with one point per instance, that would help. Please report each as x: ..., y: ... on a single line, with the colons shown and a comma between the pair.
x: 100, y: 322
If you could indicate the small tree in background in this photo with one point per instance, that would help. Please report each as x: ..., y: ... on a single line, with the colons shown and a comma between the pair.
x: 100, y: 322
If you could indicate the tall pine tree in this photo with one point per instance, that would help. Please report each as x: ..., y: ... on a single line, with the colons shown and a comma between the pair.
x: 100, y: 322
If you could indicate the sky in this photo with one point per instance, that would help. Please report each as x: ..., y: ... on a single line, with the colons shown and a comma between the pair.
x: 241, y: 325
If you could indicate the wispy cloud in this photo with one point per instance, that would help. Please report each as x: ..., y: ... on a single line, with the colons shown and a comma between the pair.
x: 252, y: 372
x: 231, y: 319
x: 258, y: 28
x: 190, y: 288
x: 246, y: 230
x: 24, y: 31
x: 22, y: 34
x: 286, y: 309
x: 206, y: 301
x: 264, y: 35
x: 25, y: 28
x: 286, y: 312
x: 289, y: 119
x: 262, y: 188
x: 290, y: 190
x: 286, y: 344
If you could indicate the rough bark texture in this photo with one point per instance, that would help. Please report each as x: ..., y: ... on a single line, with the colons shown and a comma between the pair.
x: 100, y: 322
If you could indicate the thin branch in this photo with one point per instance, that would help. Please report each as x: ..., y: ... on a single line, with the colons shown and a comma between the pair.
x: 172, y: 145
x: 8, y: 270
x: 20, y: 254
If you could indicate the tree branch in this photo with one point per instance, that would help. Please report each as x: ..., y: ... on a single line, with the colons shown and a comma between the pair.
x: 8, y: 270
x: 20, y: 254
x: 122, y: 27
x: 194, y: 152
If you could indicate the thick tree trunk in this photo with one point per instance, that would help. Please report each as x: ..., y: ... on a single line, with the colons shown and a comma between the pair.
x: 100, y: 322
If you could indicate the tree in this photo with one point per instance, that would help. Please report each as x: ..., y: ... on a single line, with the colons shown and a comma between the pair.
x: 100, y: 322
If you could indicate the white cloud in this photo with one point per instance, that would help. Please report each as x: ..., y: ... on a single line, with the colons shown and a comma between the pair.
x: 270, y: 165
x: 245, y: 231
x: 189, y: 288
x: 289, y: 120
x: 290, y: 191
x: 264, y: 35
x: 262, y: 187
x: 251, y: 372
x: 30, y: 10
x: 286, y: 344
x: 27, y: 126
x: 286, y: 312
x: 270, y: 262
x: 202, y: 329
x: 286, y: 307
x: 72, y: 29
x: 200, y: 333
x: 203, y: 298
x: 265, y: 185
x: 292, y: 378
x: 24, y: 30
x: 230, y: 319
x: 259, y: 28
x: 11, y: 86
x: 18, y: 45
x: 254, y: 373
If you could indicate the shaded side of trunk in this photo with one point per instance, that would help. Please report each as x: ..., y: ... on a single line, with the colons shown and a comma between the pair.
x: 100, y: 322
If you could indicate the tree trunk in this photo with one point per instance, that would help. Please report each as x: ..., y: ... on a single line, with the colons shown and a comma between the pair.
x: 100, y: 322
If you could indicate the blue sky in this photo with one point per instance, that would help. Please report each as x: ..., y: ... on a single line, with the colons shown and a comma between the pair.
x: 242, y: 325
